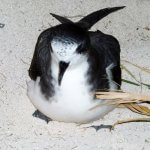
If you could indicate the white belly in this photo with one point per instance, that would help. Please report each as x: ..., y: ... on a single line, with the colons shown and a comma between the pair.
x: 72, y: 100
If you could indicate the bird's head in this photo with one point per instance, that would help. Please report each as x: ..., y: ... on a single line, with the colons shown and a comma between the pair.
x: 68, y: 42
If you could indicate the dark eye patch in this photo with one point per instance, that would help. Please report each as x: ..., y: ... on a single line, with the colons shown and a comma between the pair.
x: 81, y: 48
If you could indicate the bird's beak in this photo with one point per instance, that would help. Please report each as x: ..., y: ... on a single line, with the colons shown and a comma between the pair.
x: 62, y: 68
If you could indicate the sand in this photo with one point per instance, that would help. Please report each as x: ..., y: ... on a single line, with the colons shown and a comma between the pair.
x: 24, y: 20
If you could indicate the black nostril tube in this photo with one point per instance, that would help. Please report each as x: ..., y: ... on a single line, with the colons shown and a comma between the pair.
x: 62, y: 68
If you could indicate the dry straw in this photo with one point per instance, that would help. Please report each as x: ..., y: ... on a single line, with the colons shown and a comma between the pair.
x: 127, y: 100
x: 132, y: 101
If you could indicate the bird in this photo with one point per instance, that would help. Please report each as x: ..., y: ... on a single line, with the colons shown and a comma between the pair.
x: 69, y: 64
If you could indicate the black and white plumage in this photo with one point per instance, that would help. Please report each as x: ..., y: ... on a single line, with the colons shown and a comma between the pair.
x: 69, y: 64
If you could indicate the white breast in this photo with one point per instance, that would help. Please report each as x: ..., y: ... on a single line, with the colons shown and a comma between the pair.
x: 72, y: 100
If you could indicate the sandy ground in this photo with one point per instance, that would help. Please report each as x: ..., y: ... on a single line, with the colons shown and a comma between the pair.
x: 24, y: 20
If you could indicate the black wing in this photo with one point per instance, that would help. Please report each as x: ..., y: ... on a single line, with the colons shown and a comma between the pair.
x: 88, y: 21
x: 41, y: 56
x: 106, y: 49
x: 41, y: 63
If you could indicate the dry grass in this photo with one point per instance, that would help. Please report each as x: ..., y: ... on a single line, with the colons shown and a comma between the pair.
x: 119, y: 97
x: 127, y: 100
x: 131, y: 101
x: 137, y: 66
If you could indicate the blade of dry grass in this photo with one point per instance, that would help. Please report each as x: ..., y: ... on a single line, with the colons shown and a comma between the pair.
x: 130, y: 120
x: 147, y: 85
x: 143, y: 110
x: 128, y: 100
x: 133, y: 83
x: 130, y: 82
x: 137, y: 66
x: 122, y: 97
x: 129, y: 72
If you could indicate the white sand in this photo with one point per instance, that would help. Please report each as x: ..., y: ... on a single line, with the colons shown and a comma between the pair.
x: 23, y: 19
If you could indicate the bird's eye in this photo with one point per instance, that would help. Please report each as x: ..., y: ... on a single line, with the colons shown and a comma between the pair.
x: 81, y: 48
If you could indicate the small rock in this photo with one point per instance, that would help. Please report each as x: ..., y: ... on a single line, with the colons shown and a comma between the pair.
x: 147, y: 141
x: 2, y: 25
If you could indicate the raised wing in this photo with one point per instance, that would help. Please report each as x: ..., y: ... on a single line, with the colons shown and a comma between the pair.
x: 88, y: 21
x: 61, y: 19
